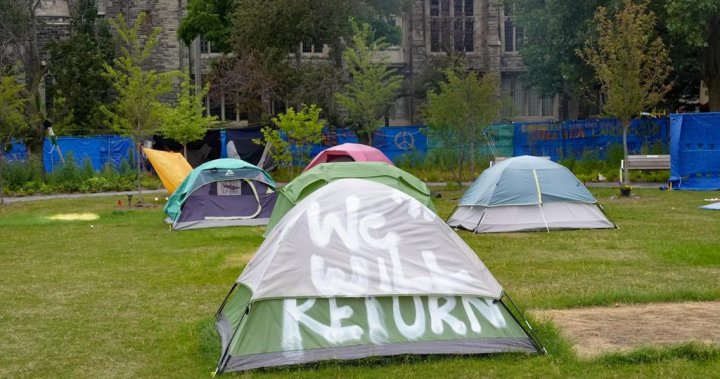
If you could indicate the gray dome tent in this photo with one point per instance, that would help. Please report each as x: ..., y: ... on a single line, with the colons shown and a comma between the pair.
x: 360, y: 269
x: 527, y: 193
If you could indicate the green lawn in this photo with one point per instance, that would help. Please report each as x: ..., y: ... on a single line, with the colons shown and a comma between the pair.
x: 128, y: 298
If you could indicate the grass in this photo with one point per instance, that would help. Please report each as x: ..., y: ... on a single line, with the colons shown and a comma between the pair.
x: 122, y: 296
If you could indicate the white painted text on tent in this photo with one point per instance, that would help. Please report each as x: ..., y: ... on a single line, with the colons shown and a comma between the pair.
x: 367, y: 232
x: 414, y: 318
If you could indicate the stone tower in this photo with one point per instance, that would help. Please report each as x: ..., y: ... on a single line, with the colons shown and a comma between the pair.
x: 171, y: 53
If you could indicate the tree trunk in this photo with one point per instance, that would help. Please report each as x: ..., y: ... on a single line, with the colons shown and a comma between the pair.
x: 138, y: 163
x: 564, y: 106
x: 364, y: 137
x: 625, y: 126
x: 714, y: 95
x: 711, y: 64
x: 2, y: 188
x: 457, y: 173
x: 185, y: 151
x: 472, y: 160
x: 35, y: 69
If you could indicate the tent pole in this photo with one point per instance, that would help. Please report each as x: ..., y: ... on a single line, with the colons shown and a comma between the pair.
x: 543, y: 217
x: 264, y: 155
x: 539, y: 193
x: 451, y: 213
x: 225, y: 355
x: 480, y: 221
x: 232, y: 289
x: 606, y: 216
x: 530, y: 331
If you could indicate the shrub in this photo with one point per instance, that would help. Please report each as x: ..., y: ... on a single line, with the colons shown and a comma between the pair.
x: 99, y: 184
x: 109, y: 172
x: 614, y: 155
x: 87, y: 171
x: 412, y: 158
x: 17, y: 174
x: 126, y: 167
x: 150, y: 181
x: 68, y: 177
x: 439, y: 158
x: 569, y: 163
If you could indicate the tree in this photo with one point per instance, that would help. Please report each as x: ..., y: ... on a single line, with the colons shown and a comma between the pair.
x: 77, y: 69
x: 209, y: 19
x: 185, y: 122
x: 552, y: 31
x: 19, y: 35
x: 271, y: 33
x: 373, y: 84
x: 282, y: 25
x: 316, y: 83
x: 458, y: 114
x: 243, y: 81
x: 630, y: 63
x: 697, y: 22
x: 137, y: 111
x: 12, y: 118
x: 302, y: 129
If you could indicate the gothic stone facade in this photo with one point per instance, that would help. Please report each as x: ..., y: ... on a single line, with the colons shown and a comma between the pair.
x: 171, y: 53
x: 480, y: 30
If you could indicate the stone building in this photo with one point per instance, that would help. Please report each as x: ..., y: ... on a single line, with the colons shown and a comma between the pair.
x: 53, y: 23
x: 170, y: 53
x: 481, y: 30
x: 54, y: 19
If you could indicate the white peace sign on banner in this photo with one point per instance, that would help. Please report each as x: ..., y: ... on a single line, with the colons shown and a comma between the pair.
x: 404, y: 141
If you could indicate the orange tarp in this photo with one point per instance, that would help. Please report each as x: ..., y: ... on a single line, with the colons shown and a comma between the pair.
x: 172, y: 168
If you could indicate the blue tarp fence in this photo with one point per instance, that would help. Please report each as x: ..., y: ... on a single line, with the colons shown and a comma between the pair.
x: 397, y: 141
x: 591, y: 139
x: 99, y: 150
x: 579, y: 139
x: 393, y: 141
x: 500, y: 141
x: 18, y: 152
x: 695, y: 151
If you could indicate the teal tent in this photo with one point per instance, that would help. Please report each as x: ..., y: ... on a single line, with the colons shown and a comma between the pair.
x: 222, y: 192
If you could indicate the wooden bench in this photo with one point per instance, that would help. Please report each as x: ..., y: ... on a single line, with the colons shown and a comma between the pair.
x: 500, y: 159
x: 645, y: 162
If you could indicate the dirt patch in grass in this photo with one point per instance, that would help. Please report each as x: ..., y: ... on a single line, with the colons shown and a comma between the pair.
x: 621, y: 328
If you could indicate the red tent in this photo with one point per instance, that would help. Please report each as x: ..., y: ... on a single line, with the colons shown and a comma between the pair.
x: 349, y: 152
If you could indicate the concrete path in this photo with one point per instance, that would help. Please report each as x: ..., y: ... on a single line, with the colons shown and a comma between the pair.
x: 162, y: 191
x: 590, y: 184
x: 78, y: 195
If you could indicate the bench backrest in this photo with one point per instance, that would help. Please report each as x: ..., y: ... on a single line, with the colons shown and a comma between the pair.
x: 649, y: 162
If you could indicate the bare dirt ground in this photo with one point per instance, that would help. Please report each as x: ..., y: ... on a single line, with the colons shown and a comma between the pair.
x: 600, y: 330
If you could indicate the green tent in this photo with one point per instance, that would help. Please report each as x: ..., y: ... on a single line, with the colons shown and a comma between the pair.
x: 322, y: 174
x: 360, y: 269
